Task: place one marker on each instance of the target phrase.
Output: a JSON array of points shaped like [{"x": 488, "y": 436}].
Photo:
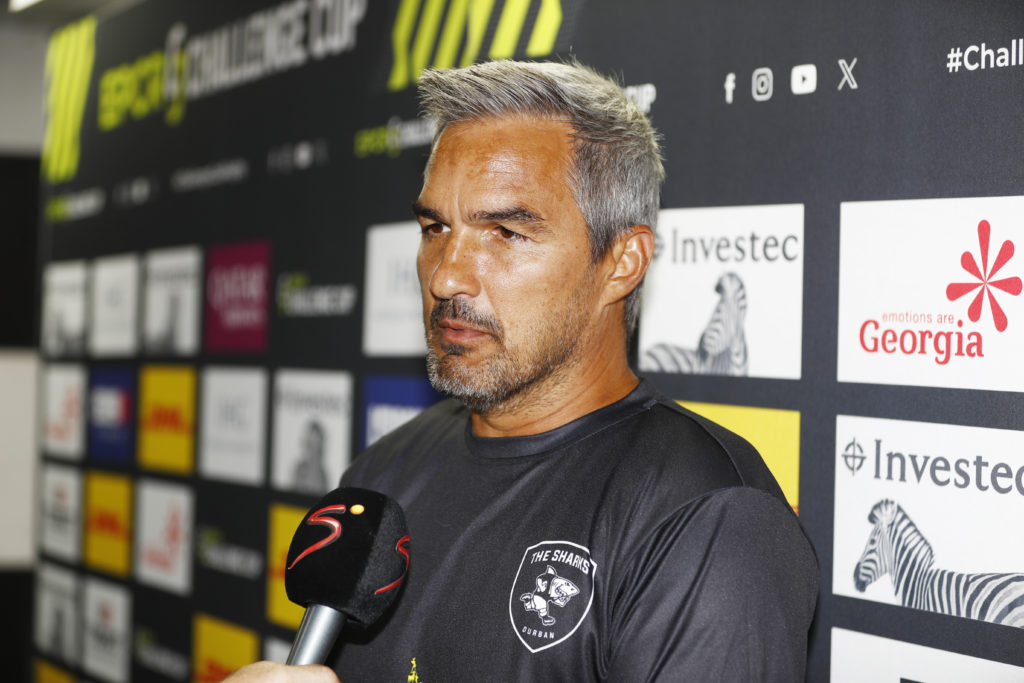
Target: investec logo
[
  {"x": 419, "y": 37},
  {"x": 920, "y": 516},
  {"x": 900, "y": 464},
  {"x": 940, "y": 306},
  {"x": 725, "y": 293}
]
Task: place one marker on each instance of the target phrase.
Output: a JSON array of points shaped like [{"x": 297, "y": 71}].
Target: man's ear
[{"x": 629, "y": 258}]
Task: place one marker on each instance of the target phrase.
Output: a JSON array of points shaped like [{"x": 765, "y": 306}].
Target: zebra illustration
[
  {"x": 897, "y": 548},
  {"x": 723, "y": 346}
]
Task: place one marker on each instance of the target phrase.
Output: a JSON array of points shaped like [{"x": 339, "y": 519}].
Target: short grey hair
[{"x": 617, "y": 172}]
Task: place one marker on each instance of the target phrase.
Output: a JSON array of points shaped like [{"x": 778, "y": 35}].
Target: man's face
[{"x": 504, "y": 263}]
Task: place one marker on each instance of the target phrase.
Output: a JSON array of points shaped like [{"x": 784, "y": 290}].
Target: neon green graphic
[
  {"x": 69, "y": 61},
  {"x": 466, "y": 22}
]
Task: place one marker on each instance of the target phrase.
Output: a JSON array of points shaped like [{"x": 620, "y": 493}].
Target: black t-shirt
[{"x": 640, "y": 542}]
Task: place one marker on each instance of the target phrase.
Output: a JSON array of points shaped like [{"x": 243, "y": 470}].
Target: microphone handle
[{"x": 316, "y": 636}]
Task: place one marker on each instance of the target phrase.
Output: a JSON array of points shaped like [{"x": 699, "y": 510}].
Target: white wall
[
  {"x": 22, "y": 57},
  {"x": 19, "y": 370}
]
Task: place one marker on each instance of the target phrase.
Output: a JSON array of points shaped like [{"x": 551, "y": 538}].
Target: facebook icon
[{"x": 730, "y": 85}]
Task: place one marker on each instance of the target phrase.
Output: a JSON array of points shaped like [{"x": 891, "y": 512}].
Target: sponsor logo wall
[
  {"x": 312, "y": 429},
  {"x": 111, "y": 427},
  {"x": 724, "y": 295},
  {"x": 61, "y": 515},
  {"x": 63, "y": 317},
  {"x": 230, "y": 308},
  {"x": 390, "y": 402},
  {"x": 106, "y": 639},
  {"x": 163, "y": 544},
  {"x": 234, "y": 405},
  {"x": 774, "y": 433},
  {"x": 114, "y": 306},
  {"x": 914, "y": 503},
  {"x": 860, "y": 657},
  {"x": 48, "y": 673},
  {"x": 167, "y": 396},
  {"x": 63, "y": 407},
  {"x": 237, "y": 284},
  {"x": 57, "y": 616},
  {"x": 108, "y": 523},
  {"x": 942, "y": 307},
  {"x": 173, "y": 286},
  {"x": 284, "y": 520},
  {"x": 220, "y": 647},
  {"x": 393, "y": 312}
]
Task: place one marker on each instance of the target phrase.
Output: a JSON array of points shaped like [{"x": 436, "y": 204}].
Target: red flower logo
[{"x": 1010, "y": 285}]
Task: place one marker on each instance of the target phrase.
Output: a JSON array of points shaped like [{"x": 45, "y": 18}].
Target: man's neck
[{"x": 559, "y": 399}]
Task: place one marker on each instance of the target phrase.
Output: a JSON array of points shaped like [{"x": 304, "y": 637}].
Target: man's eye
[
  {"x": 432, "y": 229},
  {"x": 509, "y": 234}
]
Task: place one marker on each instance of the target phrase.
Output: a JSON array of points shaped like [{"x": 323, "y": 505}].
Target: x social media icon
[{"x": 803, "y": 79}]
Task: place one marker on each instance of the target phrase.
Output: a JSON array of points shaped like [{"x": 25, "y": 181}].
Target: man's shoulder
[
  {"x": 691, "y": 453},
  {"x": 442, "y": 421}
]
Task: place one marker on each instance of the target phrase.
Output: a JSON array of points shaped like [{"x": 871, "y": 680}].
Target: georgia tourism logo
[
  {"x": 919, "y": 508},
  {"x": 552, "y": 593},
  {"x": 920, "y": 318}
]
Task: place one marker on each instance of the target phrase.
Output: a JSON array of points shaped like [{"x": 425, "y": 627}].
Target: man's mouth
[
  {"x": 455, "y": 322},
  {"x": 459, "y": 332}
]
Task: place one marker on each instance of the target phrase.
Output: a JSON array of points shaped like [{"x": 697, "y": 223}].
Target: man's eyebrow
[
  {"x": 513, "y": 214},
  {"x": 420, "y": 209}
]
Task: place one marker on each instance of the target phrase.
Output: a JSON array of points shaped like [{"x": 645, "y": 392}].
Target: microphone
[{"x": 347, "y": 560}]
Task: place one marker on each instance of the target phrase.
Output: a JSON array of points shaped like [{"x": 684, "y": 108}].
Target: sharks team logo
[
  {"x": 552, "y": 593},
  {"x": 550, "y": 588}
]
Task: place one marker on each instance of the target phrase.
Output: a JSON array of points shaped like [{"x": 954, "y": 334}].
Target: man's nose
[{"x": 455, "y": 266}]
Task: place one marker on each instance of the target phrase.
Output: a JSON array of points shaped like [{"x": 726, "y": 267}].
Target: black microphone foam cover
[{"x": 350, "y": 553}]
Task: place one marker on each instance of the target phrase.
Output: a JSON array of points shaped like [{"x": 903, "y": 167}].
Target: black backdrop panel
[{"x": 306, "y": 148}]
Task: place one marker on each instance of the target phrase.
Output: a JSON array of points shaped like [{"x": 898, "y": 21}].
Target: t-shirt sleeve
[{"x": 724, "y": 590}]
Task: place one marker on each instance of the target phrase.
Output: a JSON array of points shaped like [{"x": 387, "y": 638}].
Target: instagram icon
[{"x": 762, "y": 84}]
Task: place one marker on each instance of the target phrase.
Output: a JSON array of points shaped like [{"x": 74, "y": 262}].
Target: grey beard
[{"x": 499, "y": 383}]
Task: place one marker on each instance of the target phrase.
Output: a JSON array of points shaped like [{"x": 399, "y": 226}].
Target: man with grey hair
[{"x": 568, "y": 522}]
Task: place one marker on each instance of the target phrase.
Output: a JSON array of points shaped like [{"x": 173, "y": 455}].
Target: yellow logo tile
[
  {"x": 108, "y": 522},
  {"x": 48, "y": 673},
  {"x": 167, "y": 418},
  {"x": 284, "y": 520},
  {"x": 220, "y": 647},
  {"x": 774, "y": 433}
]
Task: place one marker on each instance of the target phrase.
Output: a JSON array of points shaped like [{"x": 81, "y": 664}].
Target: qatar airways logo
[{"x": 921, "y": 318}]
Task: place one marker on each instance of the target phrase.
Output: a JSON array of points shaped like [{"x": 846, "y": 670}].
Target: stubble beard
[{"x": 503, "y": 380}]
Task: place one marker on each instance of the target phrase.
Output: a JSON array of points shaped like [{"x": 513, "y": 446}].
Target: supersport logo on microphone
[
  {"x": 335, "y": 526},
  {"x": 319, "y": 517},
  {"x": 402, "y": 549}
]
